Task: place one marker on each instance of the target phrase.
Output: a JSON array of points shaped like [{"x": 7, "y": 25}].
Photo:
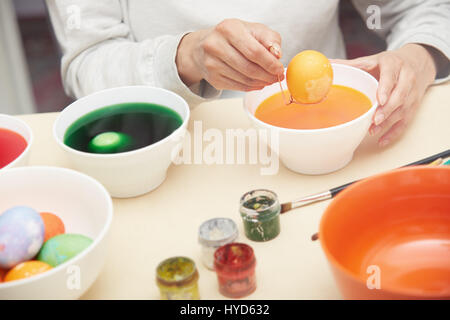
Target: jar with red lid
[{"x": 235, "y": 267}]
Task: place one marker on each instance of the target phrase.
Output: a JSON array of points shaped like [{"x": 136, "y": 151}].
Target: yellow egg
[
  {"x": 309, "y": 76},
  {"x": 26, "y": 269}
]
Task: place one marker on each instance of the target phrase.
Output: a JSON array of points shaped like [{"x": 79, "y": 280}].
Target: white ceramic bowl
[
  {"x": 319, "y": 151},
  {"x": 20, "y": 127},
  {"x": 132, "y": 173},
  {"x": 85, "y": 207}
]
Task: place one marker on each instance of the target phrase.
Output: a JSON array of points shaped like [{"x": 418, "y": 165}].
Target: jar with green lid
[
  {"x": 177, "y": 279},
  {"x": 260, "y": 212}
]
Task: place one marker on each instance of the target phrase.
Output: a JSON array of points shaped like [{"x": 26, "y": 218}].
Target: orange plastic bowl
[{"x": 388, "y": 236}]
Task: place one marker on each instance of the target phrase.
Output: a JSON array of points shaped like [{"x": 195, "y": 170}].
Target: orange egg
[
  {"x": 309, "y": 76},
  {"x": 27, "y": 269},
  {"x": 53, "y": 225}
]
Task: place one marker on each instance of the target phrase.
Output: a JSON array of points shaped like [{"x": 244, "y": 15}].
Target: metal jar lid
[{"x": 217, "y": 232}]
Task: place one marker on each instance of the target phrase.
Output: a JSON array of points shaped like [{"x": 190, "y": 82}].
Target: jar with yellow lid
[{"x": 177, "y": 279}]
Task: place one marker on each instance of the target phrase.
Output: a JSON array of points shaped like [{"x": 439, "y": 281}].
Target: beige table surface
[{"x": 164, "y": 223}]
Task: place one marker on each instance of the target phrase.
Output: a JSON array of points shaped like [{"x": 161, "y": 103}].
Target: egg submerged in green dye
[
  {"x": 122, "y": 127},
  {"x": 62, "y": 248},
  {"x": 109, "y": 142}
]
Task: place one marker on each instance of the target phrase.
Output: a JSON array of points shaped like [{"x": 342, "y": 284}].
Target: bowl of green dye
[{"x": 124, "y": 137}]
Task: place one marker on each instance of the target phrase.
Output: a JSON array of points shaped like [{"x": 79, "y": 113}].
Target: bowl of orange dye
[
  {"x": 388, "y": 236},
  {"x": 322, "y": 137}
]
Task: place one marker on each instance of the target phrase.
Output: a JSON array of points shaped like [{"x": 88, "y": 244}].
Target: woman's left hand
[{"x": 404, "y": 75}]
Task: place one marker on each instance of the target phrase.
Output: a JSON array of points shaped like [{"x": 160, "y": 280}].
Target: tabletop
[{"x": 164, "y": 222}]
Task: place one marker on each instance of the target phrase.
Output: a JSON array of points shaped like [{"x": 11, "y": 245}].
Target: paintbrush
[{"x": 329, "y": 194}]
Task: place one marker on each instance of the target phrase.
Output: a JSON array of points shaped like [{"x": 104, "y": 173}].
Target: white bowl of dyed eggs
[
  {"x": 321, "y": 150},
  {"x": 54, "y": 224},
  {"x": 16, "y": 139},
  {"x": 126, "y": 173}
]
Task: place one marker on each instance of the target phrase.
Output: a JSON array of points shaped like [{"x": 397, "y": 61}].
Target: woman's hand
[
  {"x": 233, "y": 55},
  {"x": 404, "y": 75}
]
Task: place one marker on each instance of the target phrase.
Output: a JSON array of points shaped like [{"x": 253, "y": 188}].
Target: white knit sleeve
[
  {"x": 414, "y": 21},
  {"x": 99, "y": 51}
]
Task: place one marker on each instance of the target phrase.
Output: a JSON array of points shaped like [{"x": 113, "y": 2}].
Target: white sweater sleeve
[
  {"x": 413, "y": 21},
  {"x": 99, "y": 51}
]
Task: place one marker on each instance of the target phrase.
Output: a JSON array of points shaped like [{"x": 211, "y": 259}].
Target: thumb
[{"x": 269, "y": 38}]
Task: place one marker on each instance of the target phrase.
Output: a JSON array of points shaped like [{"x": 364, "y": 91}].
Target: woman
[{"x": 198, "y": 48}]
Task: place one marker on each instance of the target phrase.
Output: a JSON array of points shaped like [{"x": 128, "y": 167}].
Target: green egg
[
  {"x": 62, "y": 247},
  {"x": 109, "y": 142}
]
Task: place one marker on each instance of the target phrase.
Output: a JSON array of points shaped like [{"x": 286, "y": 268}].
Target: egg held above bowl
[
  {"x": 309, "y": 77},
  {"x": 322, "y": 137}
]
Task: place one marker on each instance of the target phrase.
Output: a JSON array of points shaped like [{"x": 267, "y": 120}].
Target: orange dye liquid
[{"x": 342, "y": 104}]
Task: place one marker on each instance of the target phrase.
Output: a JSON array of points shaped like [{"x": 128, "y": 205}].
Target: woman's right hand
[{"x": 234, "y": 55}]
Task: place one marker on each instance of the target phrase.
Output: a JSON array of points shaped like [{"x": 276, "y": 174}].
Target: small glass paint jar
[
  {"x": 177, "y": 279},
  {"x": 213, "y": 234},
  {"x": 235, "y": 268},
  {"x": 260, "y": 212}
]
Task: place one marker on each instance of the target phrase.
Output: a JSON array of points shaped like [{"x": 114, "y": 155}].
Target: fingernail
[
  {"x": 375, "y": 130},
  {"x": 383, "y": 142},
  {"x": 275, "y": 49},
  {"x": 379, "y": 118}
]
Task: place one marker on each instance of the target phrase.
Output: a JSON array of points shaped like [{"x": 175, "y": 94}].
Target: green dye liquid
[{"x": 144, "y": 124}]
